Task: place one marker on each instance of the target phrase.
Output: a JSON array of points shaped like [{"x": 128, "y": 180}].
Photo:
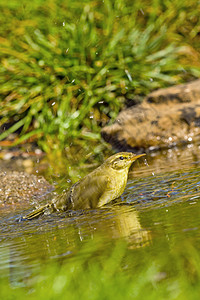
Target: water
[{"x": 159, "y": 210}]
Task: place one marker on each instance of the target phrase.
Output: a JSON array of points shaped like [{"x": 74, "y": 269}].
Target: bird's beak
[{"x": 137, "y": 156}]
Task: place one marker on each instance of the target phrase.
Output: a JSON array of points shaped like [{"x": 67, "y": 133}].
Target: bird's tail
[{"x": 37, "y": 212}]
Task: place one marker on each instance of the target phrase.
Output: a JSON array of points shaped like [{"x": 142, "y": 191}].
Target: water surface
[{"x": 158, "y": 212}]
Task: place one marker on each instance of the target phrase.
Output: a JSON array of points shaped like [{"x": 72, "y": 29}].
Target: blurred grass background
[{"x": 68, "y": 67}]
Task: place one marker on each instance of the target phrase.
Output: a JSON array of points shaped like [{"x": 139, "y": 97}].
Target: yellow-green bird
[{"x": 102, "y": 185}]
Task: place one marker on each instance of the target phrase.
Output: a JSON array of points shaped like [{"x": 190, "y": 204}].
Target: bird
[{"x": 101, "y": 186}]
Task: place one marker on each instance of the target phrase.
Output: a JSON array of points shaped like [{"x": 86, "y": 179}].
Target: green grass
[
  {"x": 68, "y": 67},
  {"x": 120, "y": 274}
]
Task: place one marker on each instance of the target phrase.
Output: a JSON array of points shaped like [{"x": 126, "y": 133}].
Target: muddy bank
[
  {"x": 167, "y": 117},
  {"x": 19, "y": 190}
]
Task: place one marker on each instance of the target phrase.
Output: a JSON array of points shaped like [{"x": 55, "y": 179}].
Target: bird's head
[{"x": 122, "y": 160}]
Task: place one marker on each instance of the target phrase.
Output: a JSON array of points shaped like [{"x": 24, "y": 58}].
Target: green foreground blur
[{"x": 119, "y": 274}]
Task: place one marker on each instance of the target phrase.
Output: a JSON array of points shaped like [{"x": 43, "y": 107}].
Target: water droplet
[
  {"x": 128, "y": 75},
  {"x": 53, "y": 103},
  {"x": 41, "y": 63},
  {"x": 38, "y": 151},
  {"x": 63, "y": 23},
  {"x": 73, "y": 80},
  {"x": 189, "y": 146},
  {"x": 141, "y": 10}
]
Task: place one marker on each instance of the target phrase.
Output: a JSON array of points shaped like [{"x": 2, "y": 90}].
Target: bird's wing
[{"x": 88, "y": 191}]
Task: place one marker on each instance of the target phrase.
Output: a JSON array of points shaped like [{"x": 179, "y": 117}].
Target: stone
[{"x": 167, "y": 117}]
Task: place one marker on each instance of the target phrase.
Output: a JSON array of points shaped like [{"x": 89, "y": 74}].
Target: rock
[{"x": 167, "y": 117}]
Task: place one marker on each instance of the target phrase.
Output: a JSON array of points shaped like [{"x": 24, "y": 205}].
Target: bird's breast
[{"x": 118, "y": 182}]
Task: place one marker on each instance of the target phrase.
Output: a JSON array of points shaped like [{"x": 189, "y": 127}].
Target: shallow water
[{"x": 159, "y": 208}]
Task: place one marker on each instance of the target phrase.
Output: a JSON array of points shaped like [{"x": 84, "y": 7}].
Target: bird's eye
[{"x": 121, "y": 157}]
